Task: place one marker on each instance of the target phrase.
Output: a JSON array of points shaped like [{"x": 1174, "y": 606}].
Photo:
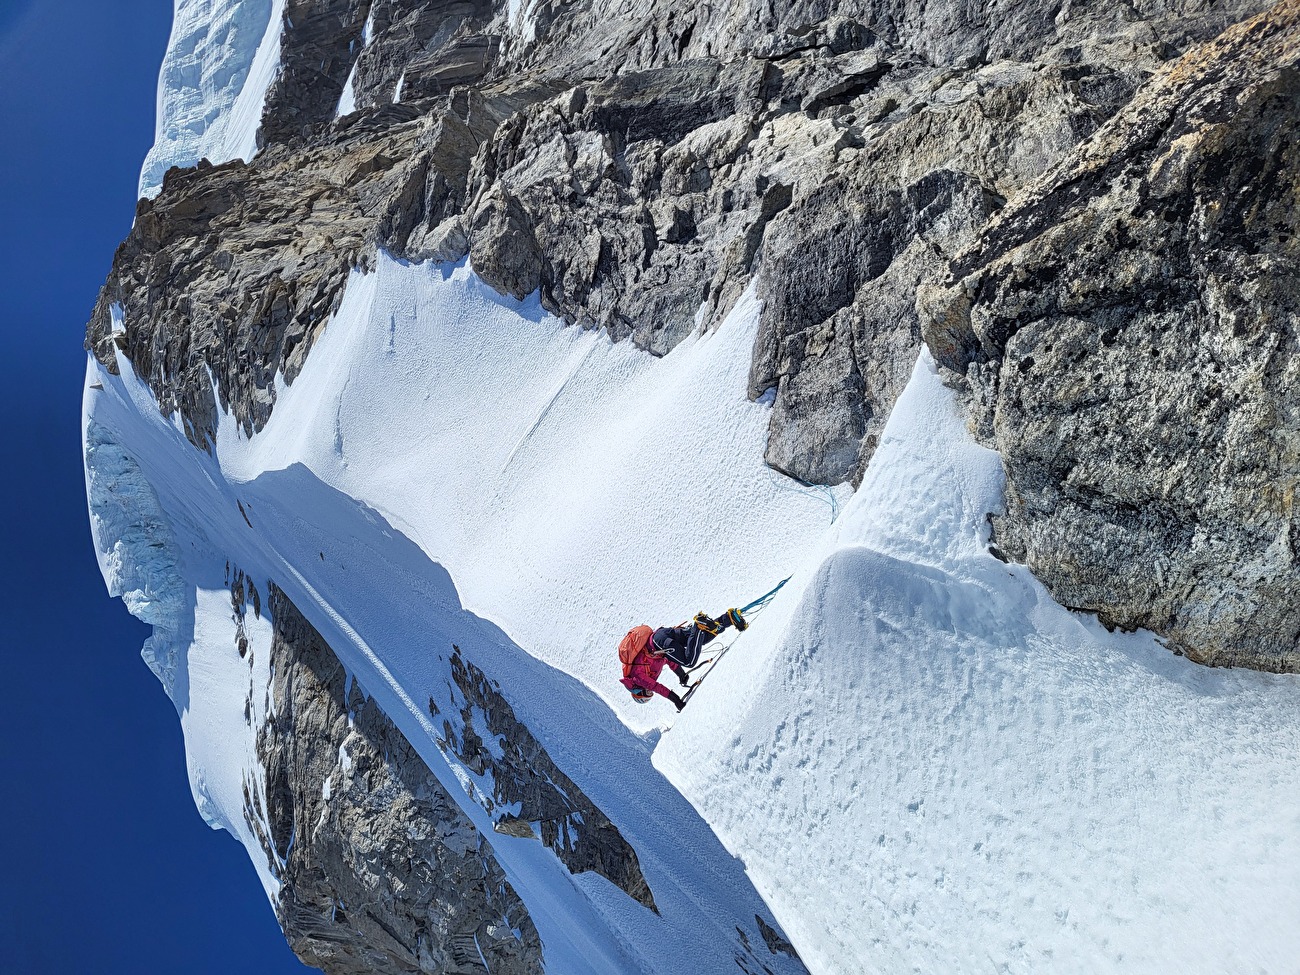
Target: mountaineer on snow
[{"x": 644, "y": 652}]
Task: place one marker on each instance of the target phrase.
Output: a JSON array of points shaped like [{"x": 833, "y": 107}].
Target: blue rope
[
  {"x": 766, "y": 596},
  {"x": 712, "y": 662},
  {"x": 821, "y": 492}
]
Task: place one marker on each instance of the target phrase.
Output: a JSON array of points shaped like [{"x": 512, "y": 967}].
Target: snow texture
[
  {"x": 348, "y": 100},
  {"x": 419, "y": 354},
  {"x": 920, "y": 760},
  {"x": 521, "y": 20},
  {"x": 1004, "y": 785},
  {"x": 137, "y": 551},
  {"x": 183, "y": 591},
  {"x": 220, "y": 61}
]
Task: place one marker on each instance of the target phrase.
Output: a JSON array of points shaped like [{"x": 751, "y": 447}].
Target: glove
[
  {"x": 677, "y": 701},
  {"x": 733, "y": 617},
  {"x": 683, "y": 677},
  {"x": 708, "y": 624}
]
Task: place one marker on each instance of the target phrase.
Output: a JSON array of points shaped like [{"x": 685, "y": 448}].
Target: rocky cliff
[
  {"x": 1087, "y": 212},
  {"x": 1127, "y": 329},
  {"x": 638, "y": 166},
  {"x": 380, "y": 869}
]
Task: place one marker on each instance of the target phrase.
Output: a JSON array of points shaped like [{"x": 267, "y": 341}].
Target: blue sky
[{"x": 107, "y": 866}]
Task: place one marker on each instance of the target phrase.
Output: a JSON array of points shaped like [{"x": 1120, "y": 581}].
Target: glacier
[{"x": 220, "y": 61}]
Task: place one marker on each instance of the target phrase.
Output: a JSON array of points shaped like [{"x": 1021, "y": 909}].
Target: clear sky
[{"x": 105, "y": 865}]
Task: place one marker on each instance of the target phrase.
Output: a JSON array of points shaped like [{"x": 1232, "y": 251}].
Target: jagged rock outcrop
[
  {"x": 229, "y": 273},
  {"x": 640, "y": 166},
  {"x": 1130, "y": 333},
  {"x": 380, "y": 870},
  {"x": 547, "y": 804}
]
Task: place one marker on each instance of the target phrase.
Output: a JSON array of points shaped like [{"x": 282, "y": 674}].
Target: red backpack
[{"x": 632, "y": 646}]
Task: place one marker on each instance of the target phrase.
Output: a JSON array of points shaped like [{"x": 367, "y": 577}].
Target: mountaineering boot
[
  {"x": 733, "y": 617},
  {"x": 708, "y": 624}
]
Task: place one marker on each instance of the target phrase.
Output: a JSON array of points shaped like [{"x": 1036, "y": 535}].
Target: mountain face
[{"x": 454, "y": 338}]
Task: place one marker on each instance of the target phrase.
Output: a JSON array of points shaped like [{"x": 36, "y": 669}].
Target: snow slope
[
  {"x": 928, "y": 765},
  {"x": 220, "y": 61},
  {"x": 920, "y": 760},
  {"x": 403, "y": 400},
  {"x": 566, "y": 482}
]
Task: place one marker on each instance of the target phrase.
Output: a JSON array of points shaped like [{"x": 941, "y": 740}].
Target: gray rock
[
  {"x": 1128, "y": 330},
  {"x": 549, "y": 805},
  {"x": 380, "y": 870},
  {"x": 502, "y": 246},
  {"x": 639, "y": 168}
]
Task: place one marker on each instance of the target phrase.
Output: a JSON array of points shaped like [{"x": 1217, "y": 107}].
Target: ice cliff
[{"x": 452, "y": 339}]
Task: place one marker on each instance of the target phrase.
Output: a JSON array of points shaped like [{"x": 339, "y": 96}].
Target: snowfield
[{"x": 917, "y": 758}]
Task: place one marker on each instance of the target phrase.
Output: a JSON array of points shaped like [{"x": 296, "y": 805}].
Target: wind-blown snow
[
  {"x": 928, "y": 765},
  {"x": 921, "y": 761},
  {"x": 220, "y": 61}
]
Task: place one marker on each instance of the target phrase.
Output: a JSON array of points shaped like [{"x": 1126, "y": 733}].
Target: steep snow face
[
  {"x": 438, "y": 426},
  {"x": 928, "y": 765},
  {"x": 212, "y": 660},
  {"x": 920, "y": 760},
  {"x": 220, "y": 61},
  {"x": 572, "y": 486}
]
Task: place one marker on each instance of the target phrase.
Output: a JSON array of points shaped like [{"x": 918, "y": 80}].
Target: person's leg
[{"x": 696, "y": 641}]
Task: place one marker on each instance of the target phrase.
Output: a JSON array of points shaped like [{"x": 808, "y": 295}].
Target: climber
[{"x": 644, "y": 652}]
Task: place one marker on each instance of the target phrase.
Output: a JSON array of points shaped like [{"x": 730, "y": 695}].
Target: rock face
[
  {"x": 380, "y": 870},
  {"x": 1129, "y": 331},
  {"x": 547, "y": 803},
  {"x": 639, "y": 165}
]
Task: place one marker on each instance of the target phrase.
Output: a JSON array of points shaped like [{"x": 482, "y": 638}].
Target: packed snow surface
[
  {"x": 920, "y": 760},
  {"x": 1004, "y": 785},
  {"x": 419, "y": 355},
  {"x": 220, "y": 61},
  {"x": 348, "y": 100}
]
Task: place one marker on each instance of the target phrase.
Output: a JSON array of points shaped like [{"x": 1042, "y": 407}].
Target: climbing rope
[
  {"x": 819, "y": 491},
  {"x": 750, "y": 611}
]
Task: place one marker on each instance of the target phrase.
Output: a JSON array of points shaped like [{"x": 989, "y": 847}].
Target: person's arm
[
  {"x": 683, "y": 675},
  {"x": 650, "y": 684}
]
